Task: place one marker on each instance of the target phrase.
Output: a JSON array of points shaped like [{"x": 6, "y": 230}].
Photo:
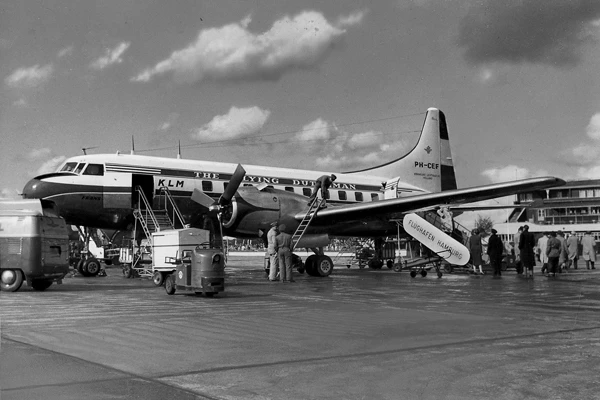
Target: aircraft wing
[{"x": 394, "y": 207}]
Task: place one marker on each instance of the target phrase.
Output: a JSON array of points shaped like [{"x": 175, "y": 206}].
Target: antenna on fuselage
[
  {"x": 84, "y": 149},
  {"x": 132, "y": 146},
  {"x": 179, "y": 150}
]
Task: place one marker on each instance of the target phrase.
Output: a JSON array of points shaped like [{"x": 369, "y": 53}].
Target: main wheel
[
  {"x": 91, "y": 267},
  {"x": 79, "y": 266},
  {"x": 40, "y": 284},
  {"x": 11, "y": 280},
  {"x": 324, "y": 266},
  {"x": 310, "y": 265},
  {"x": 170, "y": 285},
  {"x": 158, "y": 278}
]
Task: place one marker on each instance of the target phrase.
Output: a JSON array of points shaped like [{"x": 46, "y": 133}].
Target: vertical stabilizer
[{"x": 429, "y": 164}]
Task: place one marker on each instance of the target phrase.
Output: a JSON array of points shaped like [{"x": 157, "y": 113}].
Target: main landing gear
[{"x": 318, "y": 265}]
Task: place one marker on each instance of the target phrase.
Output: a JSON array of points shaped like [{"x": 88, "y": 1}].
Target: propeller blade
[
  {"x": 233, "y": 185},
  {"x": 202, "y": 198}
]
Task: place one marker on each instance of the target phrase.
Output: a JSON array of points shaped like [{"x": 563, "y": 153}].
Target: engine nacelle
[{"x": 309, "y": 241}]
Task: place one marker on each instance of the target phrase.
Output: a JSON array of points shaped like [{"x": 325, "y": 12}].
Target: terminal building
[{"x": 572, "y": 207}]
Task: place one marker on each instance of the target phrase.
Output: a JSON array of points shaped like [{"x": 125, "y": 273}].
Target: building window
[
  {"x": 342, "y": 195},
  {"x": 207, "y": 186},
  {"x": 358, "y": 196},
  {"x": 306, "y": 191}
]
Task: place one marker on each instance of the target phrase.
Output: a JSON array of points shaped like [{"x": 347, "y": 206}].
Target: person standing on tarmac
[
  {"x": 526, "y": 245},
  {"x": 476, "y": 250},
  {"x": 495, "y": 250},
  {"x": 589, "y": 250},
  {"x": 324, "y": 182},
  {"x": 284, "y": 250},
  {"x": 517, "y": 251},
  {"x": 553, "y": 248},
  {"x": 272, "y": 250},
  {"x": 572, "y": 249}
]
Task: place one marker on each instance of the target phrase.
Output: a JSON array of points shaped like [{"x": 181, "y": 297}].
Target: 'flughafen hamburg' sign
[{"x": 436, "y": 240}]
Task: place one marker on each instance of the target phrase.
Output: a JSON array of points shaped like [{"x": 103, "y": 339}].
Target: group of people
[
  {"x": 553, "y": 250},
  {"x": 279, "y": 247}
]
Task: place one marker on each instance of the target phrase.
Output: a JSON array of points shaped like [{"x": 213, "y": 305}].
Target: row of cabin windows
[
  {"x": 90, "y": 169},
  {"x": 207, "y": 186}
]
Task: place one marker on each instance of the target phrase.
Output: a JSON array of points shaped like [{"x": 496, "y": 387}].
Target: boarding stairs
[
  {"x": 313, "y": 207},
  {"x": 165, "y": 216}
]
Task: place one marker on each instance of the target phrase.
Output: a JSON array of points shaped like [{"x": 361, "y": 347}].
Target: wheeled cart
[{"x": 202, "y": 272}]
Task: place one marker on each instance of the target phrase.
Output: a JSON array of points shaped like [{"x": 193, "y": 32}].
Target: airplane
[{"x": 99, "y": 190}]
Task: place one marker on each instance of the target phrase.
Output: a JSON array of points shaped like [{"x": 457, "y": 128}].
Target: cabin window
[
  {"x": 79, "y": 168},
  {"x": 342, "y": 195},
  {"x": 94, "y": 169},
  {"x": 306, "y": 191},
  {"x": 358, "y": 196},
  {"x": 289, "y": 189},
  {"x": 207, "y": 186},
  {"x": 374, "y": 196},
  {"x": 70, "y": 166}
]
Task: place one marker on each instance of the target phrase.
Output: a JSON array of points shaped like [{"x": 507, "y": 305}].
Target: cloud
[
  {"x": 112, "y": 56},
  {"x": 9, "y": 194},
  {"x": 593, "y": 128},
  {"x": 50, "y": 165},
  {"x": 67, "y": 51},
  {"x": 550, "y": 32},
  {"x": 510, "y": 173},
  {"x": 335, "y": 149},
  {"x": 317, "y": 130},
  {"x": 27, "y": 78},
  {"x": 20, "y": 103},
  {"x": 232, "y": 52},
  {"x": 237, "y": 123},
  {"x": 38, "y": 154}
]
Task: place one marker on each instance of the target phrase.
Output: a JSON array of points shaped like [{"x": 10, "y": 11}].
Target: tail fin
[{"x": 429, "y": 164}]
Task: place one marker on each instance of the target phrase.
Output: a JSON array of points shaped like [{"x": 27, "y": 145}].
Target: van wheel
[
  {"x": 11, "y": 280},
  {"x": 158, "y": 278},
  {"x": 40, "y": 284},
  {"x": 91, "y": 267}
]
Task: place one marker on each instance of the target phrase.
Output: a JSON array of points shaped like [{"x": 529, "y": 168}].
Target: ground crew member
[
  {"x": 495, "y": 250},
  {"x": 324, "y": 182},
  {"x": 284, "y": 250},
  {"x": 272, "y": 250}
]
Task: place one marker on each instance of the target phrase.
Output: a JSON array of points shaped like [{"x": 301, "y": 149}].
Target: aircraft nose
[{"x": 34, "y": 189}]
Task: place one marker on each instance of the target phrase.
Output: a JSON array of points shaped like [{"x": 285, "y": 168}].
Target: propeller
[{"x": 221, "y": 205}]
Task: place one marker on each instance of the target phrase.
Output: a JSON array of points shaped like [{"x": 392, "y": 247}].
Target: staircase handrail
[
  {"x": 145, "y": 212},
  {"x": 176, "y": 213}
]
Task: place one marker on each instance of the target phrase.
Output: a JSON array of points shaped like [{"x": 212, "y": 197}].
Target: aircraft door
[{"x": 146, "y": 183}]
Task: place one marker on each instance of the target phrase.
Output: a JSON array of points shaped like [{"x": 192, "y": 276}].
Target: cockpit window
[
  {"x": 94, "y": 169},
  {"x": 79, "y": 168},
  {"x": 68, "y": 167}
]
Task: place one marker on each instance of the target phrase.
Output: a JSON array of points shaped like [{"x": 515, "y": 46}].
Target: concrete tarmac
[{"x": 358, "y": 334}]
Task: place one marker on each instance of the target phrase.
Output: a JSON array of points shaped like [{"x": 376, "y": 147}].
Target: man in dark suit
[{"x": 495, "y": 250}]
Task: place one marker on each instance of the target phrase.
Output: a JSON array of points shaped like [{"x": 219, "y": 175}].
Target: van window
[
  {"x": 70, "y": 166},
  {"x": 79, "y": 168},
  {"x": 94, "y": 169}
]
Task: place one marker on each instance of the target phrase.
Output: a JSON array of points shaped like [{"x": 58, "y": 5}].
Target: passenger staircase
[
  {"x": 164, "y": 216},
  {"x": 313, "y": 207}
]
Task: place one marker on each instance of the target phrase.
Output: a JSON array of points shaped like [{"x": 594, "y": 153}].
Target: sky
[{"x": 335, "y": 85}]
